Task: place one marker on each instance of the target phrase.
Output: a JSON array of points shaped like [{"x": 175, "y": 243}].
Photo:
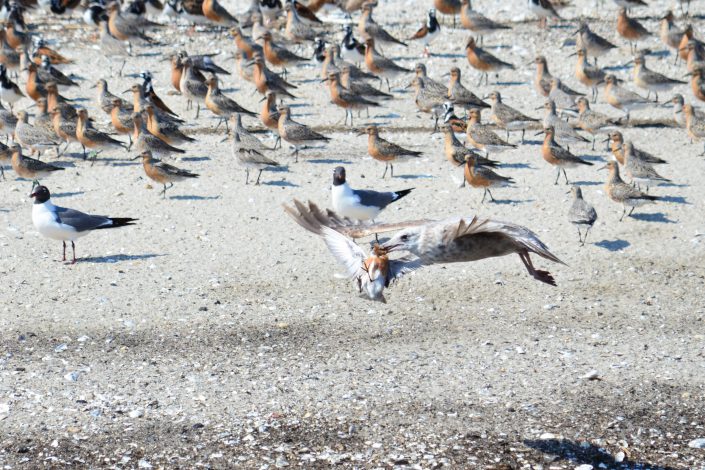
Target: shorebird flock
[{"x": 286, "y": 52}]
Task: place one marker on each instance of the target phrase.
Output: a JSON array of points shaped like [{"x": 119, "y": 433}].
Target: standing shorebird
[
  {"x": 623, "y": 99},
  {"x": 360, "y": 87},
  {"x": 380, "y": 65},
  {"x": 193, "y": 87},
  {"x": 542, "y": 78},
  {"x": 146, "y": 141},
  {"x": 35, "y": 138},
  {"x": 640, "y": 172},
  {"x": 581, "y": 214},
  {"x": 346, "y": 99},
  {"x": 461, "y": 96},
  {"x": 483, "y": 138},
  {"x": 431, "y": 84},
  {"x": 427, "y": 101},
  {"x": 369, "y": 29},
  {"x": 652, "y": 81},
  {"x": 278, "y": 55},
  {"x": 617, "y": 147},
  {"x": 91, "y": 138},
  {"x": 594, "y": 45},
  {"x": 697, "y": 83},
  {"x": 483, "y": 61},
  {"x": 30, "y": 168},
  {"x": 162, "y": 173},
  {"x": 167, "y": 131},
  {"x": 559, "y": 157},
  {"x": 221, "y": 105},
  {"x": 594, "y": 122},
  {"x": 61, "y": 223},
  {"x": 477, "y": 22},
  {"x": 269, "y": 115},
  {"x": 215, "y": 12},
  {"x": 670, "y": 34},
  {"x": 564, "y": 132},
  {"x": 248, "y": 150},
  {"x": 295, "y": 133},
  {"x": 694, "y": 125},
  {"x": 544, "y": 9},
  {"x": 428, "y": 32},
  {"x": 624, "y": 193},
  {"x": 509, "y": 118},
  {"x": 563, "y": 97},
  {"x": 630, "y": 29},
  {"x": 456, "y": 153},
  {"x": 588, "y": 75},
  {"x": 482, "y": 177},
  {"x": 384, "y": 151},
  {"x": 266, "y": 80}
]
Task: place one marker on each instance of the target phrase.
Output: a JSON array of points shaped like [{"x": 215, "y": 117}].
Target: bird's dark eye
[{"x": 404, "y": 238}]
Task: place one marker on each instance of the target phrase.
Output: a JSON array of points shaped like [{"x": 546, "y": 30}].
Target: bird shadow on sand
[
  {"x": 517, "y": 165},
  {"x": 116, "y": 162},
  {"x": 117, "y": 258},
  {"x": 510, "y": 83},
  {"x": 386, "y": 116},
  {"x": 149, "y": 54},
  {"x": 585, "y": 183},
  {"x": 613, "y": 245},
  {"x": 676, "y": 200},
  {"x": 300, "y": 105},
  {"x": 659, "y": 217},
  {"x": 510, "y": 201},
  {"x": 413, "y": 177},
  {"x": 193, "y": 197},
  {"x": 448, "y": 56},
  {"x": 281, "y": 184},
  {"x": 195, "y": 159},
  {"x": 592, "y": 158},
  {"x": 532, "y": 142},
  {"x": 326, "y": 161},
  {"x": 579, "y": 454},
  {"x": 69, "y": 194}
]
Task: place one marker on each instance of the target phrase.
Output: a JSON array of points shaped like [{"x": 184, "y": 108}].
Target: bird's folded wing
[
  {"x": 79, "y": 220},
  {"x": 312, "y": 218}
]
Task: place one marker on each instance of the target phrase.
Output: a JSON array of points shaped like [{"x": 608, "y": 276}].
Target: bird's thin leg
[
  {"x": 73, "y": 249},
  {"x": 84, "y": 152},
  {"x": 490, "y": 193},
  {"x": 2, "y": 173},
  {"x": 129, "y": 146},
  {"x": 64, "y": 257},
  {"x": 593, "y": 142},
  {"x": 565, "y": 176},
  {"x": 389, "y": 87},
  {"x": 247, "y": 175},
  {"x": 586, "y": 234},
  {"x": 198, "y": 109},
  {"x": 391, "y": 172},
  {"x": 630, "y": 212},
  {"x": 523, "y": 131},
  {"x": 484, "y": 194},
  {"x": 220, "y": 121},
  {"x": 227, "y": 126},
  {"x": 386, "y": 165},
  {"x": 580, "y": 236},
  {"x": 624, "y": 211},
  {"x": 258, "y": 175},
  {"x": 558, "y": 176}
]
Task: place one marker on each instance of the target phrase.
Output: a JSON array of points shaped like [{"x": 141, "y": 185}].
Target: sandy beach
[{"x": 217, "y": 333}]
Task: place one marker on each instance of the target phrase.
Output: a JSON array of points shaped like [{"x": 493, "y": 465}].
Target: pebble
[
  {"x": 60, "y": 348},
  {"x": 592, "y": 375},
  {"x": 72, "y": 376},
  {"x": 697, "y": 443},
  {"x": 144, "y": 464},
  {"x": 134, "y": 414},
  {"x": 584, "y": 466}
]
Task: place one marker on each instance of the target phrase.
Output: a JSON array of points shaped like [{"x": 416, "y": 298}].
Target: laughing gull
[
  {"x": 60, "y": 223},
  {"x": 360, "y": 204}
]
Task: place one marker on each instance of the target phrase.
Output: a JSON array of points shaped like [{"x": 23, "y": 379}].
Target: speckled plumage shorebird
[
  {"x": 295, "y": 133},
  {"x": 559, "y": 157},
  {"x": 248, "y": 150},
  {"x": 617, "y": 140},
  {"x": 688, "y": 39},
  {"x": 670, "y": 34},
  {"x": 8, "y": 121},
  {"x": 269, "y": 115},
  {"x": 456, "y": 152},
  {"x": 563, "y": 131},
  {"x": 589, "y": 75},
  {"x": 143, "y": 140},
  {"x": 64, "y": 127},
  {"x": 279, "y": 55},
  {"x": 694, "y": 125},
  {"x": 477, "y": 22},
  {"x": 112, "y": 47},
  {"x": 380, "y": 65},
  {"x": 296, "y": 30},
  {"x": 104, "y": 99},
  {"x": 483, "y": 61},
  {"x": 630, "y": 29},
  {"x": 30, "y": 168},
  {"x": 581, "y": 214},
  {"x": 168, "y": 131},
  {"x": 563, "y": 97},
  {"x": 266, "y": 80},
  {"x": 360, "y": 87},
  {"x": 37, "y": 139},
  {"x": 623, "y": 99},
  {"x": 697, "y": 82},
  {"x": 91, "y": 138},
  {"x": 368, "y": 28},
  {"x": 623, "y": 193},
  {"x": 430, "y": 84},
  {"x": 482, "y": 177},
  {"x": 650, "y": 80},
  {"x": 221, "y": 105},
  {"x": 426, "y": 101},
  {"x": 482, "y": 137},
  {"x": 461, "y": 96},
  {"x": 640, "y": 172},
  {"x": 121, "y": 119},
  {"x": 193, "y": 86},
  {"x": 215, "y": 12},
  {"x": 594, "y": 122},
  {"x": 345, "y": 98},
  {"x": 245, "y": 44},
  {"x": 508, "y": 118},
  {"x": 384, "y": 151},
  {"x": 595, "y": 45},
  {"x": 542, "y": 77},
  {"x": 163, "y": 173}
]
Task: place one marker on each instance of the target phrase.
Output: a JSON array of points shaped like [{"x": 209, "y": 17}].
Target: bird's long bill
[
  {"x": 539, "y": 133},
  {"x": 574, "y": 53},
  {"x": 127, "y": 91},
  {"x": 136, "y": 157},
  {"x": 604, "y": 167},
  {"x": 607, "y": 139}
]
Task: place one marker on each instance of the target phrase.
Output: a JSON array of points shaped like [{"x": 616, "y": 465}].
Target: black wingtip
[{"x": 402, "y": 193}]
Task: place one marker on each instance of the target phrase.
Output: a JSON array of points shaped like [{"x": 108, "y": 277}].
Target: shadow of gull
[
  {"x": 281, "y": 184},
  {"x": 613, "y": 245},
  {"x": 118, "y": 258},
  {"x": 329, "y": 161},
  {"x": 414, "y": 177}
]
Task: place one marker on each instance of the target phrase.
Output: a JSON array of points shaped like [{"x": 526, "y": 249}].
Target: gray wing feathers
[{"x": 80, "y": 221}]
